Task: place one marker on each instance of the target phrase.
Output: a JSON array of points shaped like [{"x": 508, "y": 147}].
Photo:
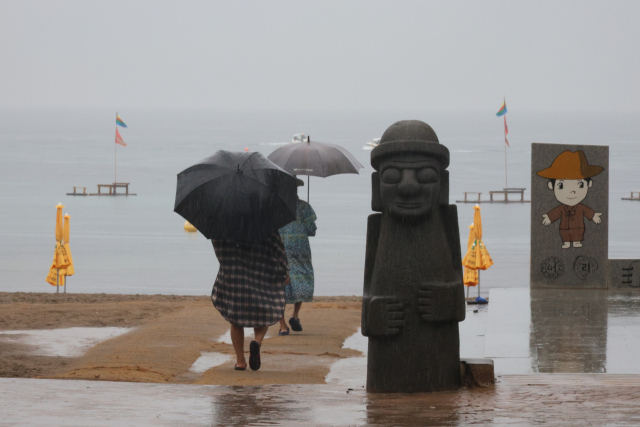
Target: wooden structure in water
[
  {"x": 504, "y": 191},
  {"x": 636, "y": 197},
  {"x": 84, "y": 191},
  {"x": 110, "y": 190}
]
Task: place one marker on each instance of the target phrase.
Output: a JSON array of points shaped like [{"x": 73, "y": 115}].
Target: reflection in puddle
[{"x": 69, "y": 342}]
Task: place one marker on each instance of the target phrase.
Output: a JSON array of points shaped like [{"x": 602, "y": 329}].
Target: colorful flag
[
  {"x": 506, "y": 129},
  {"x": 119, "y": 121},
  {"x": 503, "y": 109},
  {"x": 119, "y": 139}
]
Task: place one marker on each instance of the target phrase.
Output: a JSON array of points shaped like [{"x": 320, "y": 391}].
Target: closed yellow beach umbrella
[
  {"x": 69, "y": 271},
  {"x": 477, "y": 256},
  {"x": 60, "y": 257},
  {"x": 470, "y": 274},
  {"x": 59, "y": 227}
]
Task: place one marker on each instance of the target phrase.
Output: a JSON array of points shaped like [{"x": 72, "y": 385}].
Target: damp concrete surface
[{"x": 561, "y": 358}]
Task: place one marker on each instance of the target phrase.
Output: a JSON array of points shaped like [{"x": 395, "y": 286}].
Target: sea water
[{"x": 137, "y": 244}]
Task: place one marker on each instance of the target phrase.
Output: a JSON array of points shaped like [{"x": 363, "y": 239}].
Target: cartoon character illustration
[{"x": 570, "y": 177}]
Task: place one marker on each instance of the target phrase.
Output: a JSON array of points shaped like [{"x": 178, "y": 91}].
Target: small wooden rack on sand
[
  {"x": 636, "y": 197},
  {"x": 504, "y": 191},
  {"x": 110, "y": 190}
]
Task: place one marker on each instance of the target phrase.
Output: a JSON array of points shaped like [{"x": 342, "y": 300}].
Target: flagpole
[
  {"x": 115, "y": 160},
  {"x": 506, "y": 177}
]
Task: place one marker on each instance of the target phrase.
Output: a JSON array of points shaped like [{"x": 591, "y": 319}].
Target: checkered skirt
[{"x": 249, "y": 288}]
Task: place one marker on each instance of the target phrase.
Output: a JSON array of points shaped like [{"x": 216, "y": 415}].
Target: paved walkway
[{"x": 563, "y": 358}]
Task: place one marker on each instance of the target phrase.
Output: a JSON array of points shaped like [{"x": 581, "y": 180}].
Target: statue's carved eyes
[
  {"x": 427, "y": 176},
  {"x": 391, "y": 176}
]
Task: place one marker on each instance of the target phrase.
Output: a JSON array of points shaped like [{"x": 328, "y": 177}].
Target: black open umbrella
[
  {"x": 314, "y": 158},
  {"x": 238, "y": 196}
]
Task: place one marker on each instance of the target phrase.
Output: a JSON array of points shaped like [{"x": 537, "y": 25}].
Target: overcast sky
[{"x": 447, "y": 55}]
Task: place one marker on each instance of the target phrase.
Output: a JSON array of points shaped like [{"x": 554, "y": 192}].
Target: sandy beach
[{"x": 169, "y": 333}]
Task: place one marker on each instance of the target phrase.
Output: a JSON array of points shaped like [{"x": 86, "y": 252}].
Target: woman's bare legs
[
  {"x": 260, "y": 333},
  {"x": 296, "y": 310},
  {"x": 237, "y": 338},
  {"x": 283, "y": 325}
]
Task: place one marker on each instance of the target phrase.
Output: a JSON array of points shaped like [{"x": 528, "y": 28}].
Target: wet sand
[{"x": 171, "y": 332}]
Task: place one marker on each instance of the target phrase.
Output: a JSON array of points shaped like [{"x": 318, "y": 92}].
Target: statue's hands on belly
[
  {"x": 441, "y": 302},
  {"x": 384, "y": 317}
]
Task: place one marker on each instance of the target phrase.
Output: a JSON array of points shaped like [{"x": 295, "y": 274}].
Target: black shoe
[
  {"x": 254, "y": 355},
  {"x": 295, "y": 324}
]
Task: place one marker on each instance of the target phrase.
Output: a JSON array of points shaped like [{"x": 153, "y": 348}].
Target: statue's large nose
[{"x": 409, "y": 186}]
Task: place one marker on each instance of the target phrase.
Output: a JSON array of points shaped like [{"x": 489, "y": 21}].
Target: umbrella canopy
[
  {"x": 238, "y": 196},
  {"x": 470, "y": 274},
  {"x": 69, "y": 270},
  {"x": 315, "y": 159},
  {"x": 59, "y": 226},
  {"x": 477, "y": 257},
  {"x": 60, "y": 256}
]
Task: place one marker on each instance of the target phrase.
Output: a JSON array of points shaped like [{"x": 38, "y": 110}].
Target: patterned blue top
[{"x": 295, "y": 236}]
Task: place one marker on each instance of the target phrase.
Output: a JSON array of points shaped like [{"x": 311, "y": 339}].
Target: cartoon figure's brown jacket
[{"x": 571, "y": 217}]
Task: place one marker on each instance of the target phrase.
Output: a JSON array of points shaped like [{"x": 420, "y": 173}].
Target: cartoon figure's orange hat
[{"x": 571, "y": 165}]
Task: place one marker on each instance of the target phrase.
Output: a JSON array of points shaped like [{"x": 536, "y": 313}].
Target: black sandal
[
  {"x": 238, "y": 368},
  {"x": 283, "y": 333},
  {"x": 295, "y": 324},
  {"x": 254, "y": 355}
]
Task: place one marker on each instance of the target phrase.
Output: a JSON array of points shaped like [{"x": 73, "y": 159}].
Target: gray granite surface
[
  {"x": 624, "y": 273},
  {"x": 577, "y": 267}
]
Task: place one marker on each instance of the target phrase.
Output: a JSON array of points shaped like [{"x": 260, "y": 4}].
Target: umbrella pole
[
  {"x": 478, "y": 283},
  {"x": 65, "y": 284},
  {"x": 468, "y": 291},
  {"x": 57, "y": 281}
]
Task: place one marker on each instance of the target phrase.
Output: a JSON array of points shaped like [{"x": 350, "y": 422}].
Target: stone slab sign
[
  {"x": 624, "y": 274},
  {"x": 569, "y": 216}
]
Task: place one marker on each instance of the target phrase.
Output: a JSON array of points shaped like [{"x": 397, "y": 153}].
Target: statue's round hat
[
  {"x": 571, "y": 165},
  {"x": 409, "y": 137}
]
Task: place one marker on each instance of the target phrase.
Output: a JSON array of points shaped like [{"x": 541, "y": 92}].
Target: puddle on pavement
[
  {"x": 352, "y": 372},
  {"x": 226, "y": 337},
  {"x": 208, "y": 360},
  {"x": 69, "y": 342}
]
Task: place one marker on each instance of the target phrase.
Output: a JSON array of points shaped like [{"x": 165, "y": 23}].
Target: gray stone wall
[
  {"x": 580, "y": 265},
  {"x": 624, "y": 274}
]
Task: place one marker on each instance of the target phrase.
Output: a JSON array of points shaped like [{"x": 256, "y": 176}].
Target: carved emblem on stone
[
  {"x": 584, "y": 266},
  {"x": 552, "y": 267},
  {"x": 629, "y": 278}
]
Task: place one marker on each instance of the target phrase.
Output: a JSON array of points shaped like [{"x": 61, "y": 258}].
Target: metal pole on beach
[
  {"x": 57, "y": 281},
  {"x": 115, "y": 161},
  {"x": 506, "y": 179},
  {"x": 478, "y": 283},
  {"x": 308, "y": 180}
]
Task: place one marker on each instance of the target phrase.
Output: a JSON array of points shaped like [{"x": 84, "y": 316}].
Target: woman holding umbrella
[
  {"x": 239, "y": 201},
  {"x": 249, "y": 290},
  {"x": 295, "y": 236}
]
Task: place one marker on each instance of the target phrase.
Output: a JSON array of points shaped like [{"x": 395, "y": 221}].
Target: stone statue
[{"x": 413, "y": 291}]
